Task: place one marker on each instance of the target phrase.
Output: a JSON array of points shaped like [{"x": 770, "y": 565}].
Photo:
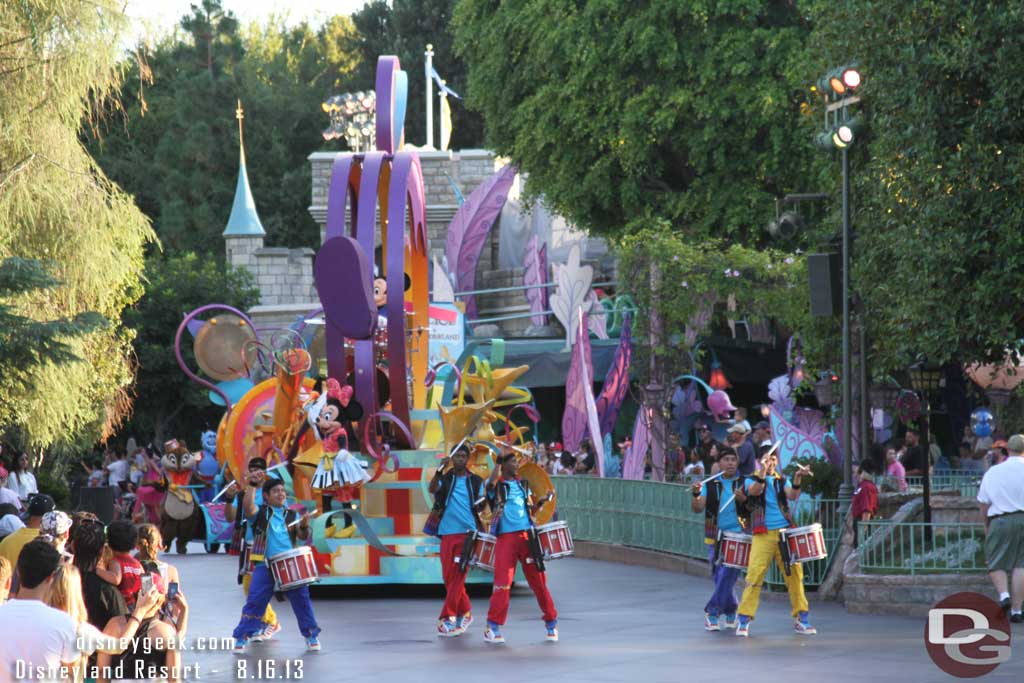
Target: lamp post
[
  {"x": 926, "y": 379},
  {"x": 352, "y": 117},
  {"x": 838, "y": 88}
]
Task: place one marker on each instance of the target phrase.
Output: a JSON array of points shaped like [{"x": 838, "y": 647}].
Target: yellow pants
[
  {"x": 763, "y": 549},
  {"x": 269, "y": 617}
]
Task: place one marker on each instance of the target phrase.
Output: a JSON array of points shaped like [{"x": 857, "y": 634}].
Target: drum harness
[
  {"x": 758, "y": 505},
  {"x": 501, "y": 495}
]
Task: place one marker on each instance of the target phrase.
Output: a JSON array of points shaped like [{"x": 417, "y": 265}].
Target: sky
[{"x": 154, "y": 17}]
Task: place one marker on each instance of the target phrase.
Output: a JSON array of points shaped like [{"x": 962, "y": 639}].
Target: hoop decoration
[{"x": 385, "y": 453}]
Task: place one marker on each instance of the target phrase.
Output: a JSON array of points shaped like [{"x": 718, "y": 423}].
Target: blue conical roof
[{"x": 244, "y": 221}]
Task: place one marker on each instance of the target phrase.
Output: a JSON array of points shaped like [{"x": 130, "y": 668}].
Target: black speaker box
[
  {"x": 98, "y": 500},
  {"x": 824, "y": 272}
]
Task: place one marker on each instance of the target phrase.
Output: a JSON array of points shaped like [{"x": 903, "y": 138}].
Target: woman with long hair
[
  {"x": 21, "y": 479},
  {"x": 149, "y": 545},
  {"x": 66, "y": 595}
]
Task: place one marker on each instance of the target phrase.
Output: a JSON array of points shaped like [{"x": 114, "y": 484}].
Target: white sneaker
[{"x": 493, "y": 635}]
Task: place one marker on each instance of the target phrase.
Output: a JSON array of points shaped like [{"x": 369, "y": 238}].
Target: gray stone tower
[{"x": 244, "y": 233}]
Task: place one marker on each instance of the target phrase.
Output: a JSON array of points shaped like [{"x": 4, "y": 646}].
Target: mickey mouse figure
[{"x": 338, "y": 472}]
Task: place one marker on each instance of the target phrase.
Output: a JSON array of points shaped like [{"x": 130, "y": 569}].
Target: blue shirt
[
  {"x": 278, "y": 540},
  {"x": 514, "y": 517},
  {"x": 458, "y": 512},
  {"x": 727, "y": 518},
  {"x": 773, "y": 518},
  {"x": 747, "y": 457}
]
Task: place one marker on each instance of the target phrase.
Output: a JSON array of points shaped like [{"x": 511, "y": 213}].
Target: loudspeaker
[
  {"x": 98, "y": 500},
  {"x": 824, "y": 272}
]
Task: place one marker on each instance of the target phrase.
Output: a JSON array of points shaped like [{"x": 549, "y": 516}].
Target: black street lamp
[{"x": 926, "y": 379}]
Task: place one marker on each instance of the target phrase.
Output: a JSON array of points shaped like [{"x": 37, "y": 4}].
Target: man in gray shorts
[{"x": 1002, "y": 502}]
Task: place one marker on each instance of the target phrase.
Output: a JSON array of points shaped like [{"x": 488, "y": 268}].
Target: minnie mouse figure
[{"x": 338, "y": 471}]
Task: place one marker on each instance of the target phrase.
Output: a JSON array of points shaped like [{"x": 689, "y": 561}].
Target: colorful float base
[{"x": 395, "y": 509}]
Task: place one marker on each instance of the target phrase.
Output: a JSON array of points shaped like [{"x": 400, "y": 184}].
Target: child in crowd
[
  {"x": 694, "y": 465},
  {"x": 123, "y": 570}
]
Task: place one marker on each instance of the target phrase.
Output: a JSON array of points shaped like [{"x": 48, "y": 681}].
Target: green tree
[
  {"x": 174, "y": 144},
  {"x": 624, "y": 111},
  {"x": 57, "y": 206},
  {"x": 405, "y": 28},
  {"x": 939, "y": 206},
  {"x": 166, "y": 402}
]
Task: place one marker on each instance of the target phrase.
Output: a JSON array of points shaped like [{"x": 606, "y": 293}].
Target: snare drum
[
  {"x": 735, "y": 549},
  {"x": 806, "y": 543},
  {"x": 483, "y": 551},
  {"x": 293, "y": 568},
  {"x": 555, "y": 540}
]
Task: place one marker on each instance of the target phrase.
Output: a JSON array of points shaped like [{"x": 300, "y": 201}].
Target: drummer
[
  {"x": 274, "y": 528},
  {"x": 768, "y": 495},
  {"x": 513, "y": 507},
  {"x": 457, "y": 497},
  {"x": 721, "y": 501},
  {"x": 235, "y": 494}
]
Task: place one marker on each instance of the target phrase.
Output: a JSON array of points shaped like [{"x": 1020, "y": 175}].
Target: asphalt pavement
[{"x": 616, "y": 623}]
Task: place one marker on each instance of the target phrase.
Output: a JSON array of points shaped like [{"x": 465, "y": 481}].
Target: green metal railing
[
  {"x": 963, "y": 482},
  {"x": 888, "y": 547},
  {"x": 657, "y": 516}
]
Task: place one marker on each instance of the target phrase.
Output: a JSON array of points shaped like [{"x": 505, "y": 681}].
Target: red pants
[
  {"x": 456, "y": 602},
  {"x": 510, "y": 548}
]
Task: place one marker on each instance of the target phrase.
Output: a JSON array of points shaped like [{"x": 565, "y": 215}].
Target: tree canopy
[
  {"x": 698, "y": 116},
  {"x": 57, "y": 206},
  {"x": 173, "y": 142}
]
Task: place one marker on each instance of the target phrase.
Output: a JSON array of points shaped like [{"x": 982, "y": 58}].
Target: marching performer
[
  {"x": 513, "y": 506},
  {"x": 721, "y": 501},
  {"x": 245, "y": 557},
  {"x": 768, "y": 495},
  {"x": 457, "y": 497},
  {"x": 274, "y": 531}
]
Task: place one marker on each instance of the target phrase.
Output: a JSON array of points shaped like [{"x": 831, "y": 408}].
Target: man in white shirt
[
  {"x": 1002, "y": 502},
  {"x": 37, "y": 640},
  {"x": 119, "y": 470}
]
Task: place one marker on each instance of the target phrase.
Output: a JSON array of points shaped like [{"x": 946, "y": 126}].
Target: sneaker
[
  {"x": 492, "y": 634},
  {"x": 711, "y": 622},
  {"x": 1005, "y": 605},
  {"x": 552, "y": 629},
  {"x": 446, "y": 628},
  {"x": 464, "y": 622},
  {"x": 312, "y": 644},
  {"x": 1017, "y": 618},
  {"x": 268, "y": 632},
  {"x": 239, "y": 648},
  {"x": 804, "y": 628},
  {"x": 743, "y": 628},
  {"x": 730, "y": 622}
]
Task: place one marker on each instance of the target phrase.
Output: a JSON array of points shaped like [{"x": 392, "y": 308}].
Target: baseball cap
[
  {"x": 40, "y": 504},
  {"x": 55, "y": 523},
  {"x": 737, "y": 429},
  {"x": 765, "y": 444},
  {"x": 762, "y": 425},
  {"x": 1016, "y": 443}
]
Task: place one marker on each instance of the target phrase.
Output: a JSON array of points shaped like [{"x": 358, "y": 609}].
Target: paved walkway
[{"x": 617, "y": 623}]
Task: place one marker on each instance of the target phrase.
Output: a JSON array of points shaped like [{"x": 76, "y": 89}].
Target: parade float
[{"x": 345, "y": 404}]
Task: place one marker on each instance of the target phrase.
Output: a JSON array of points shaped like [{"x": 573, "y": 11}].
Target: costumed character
[
  {"x": 180, "y": 516},
  {"x": 208, "y": 467},
  {"x": 275, "y": 530},
  {"x": 458, "y": 497},
  {"x": 722, "y": 502},
  {"x": 513, "y": 508},
  {"x": 339, "y": 473},
  {"x": 768, "y": 495},
  {"x": 246, "y": 557},
  {"x": 149, "y": 497}
]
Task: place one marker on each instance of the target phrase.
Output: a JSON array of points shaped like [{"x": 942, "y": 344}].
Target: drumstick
[
  {"x": 712, "y": 478},
  {"x": 223, "y": 490}
]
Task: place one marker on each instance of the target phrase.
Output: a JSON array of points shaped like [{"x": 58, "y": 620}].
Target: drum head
[{"x": 222, "y": 350}]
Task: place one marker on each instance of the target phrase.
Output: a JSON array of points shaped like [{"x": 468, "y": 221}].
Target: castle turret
[{"x": 244, "y": 233}]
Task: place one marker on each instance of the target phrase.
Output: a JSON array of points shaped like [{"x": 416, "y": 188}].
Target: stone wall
[
  {"x": 284, "y": 276},
  {"x": 902, "y": 594}
]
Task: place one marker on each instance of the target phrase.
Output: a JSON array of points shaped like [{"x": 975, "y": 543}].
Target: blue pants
[
  {"x": 723, "y": 599},
  {"x": 261, "y": 589}
]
